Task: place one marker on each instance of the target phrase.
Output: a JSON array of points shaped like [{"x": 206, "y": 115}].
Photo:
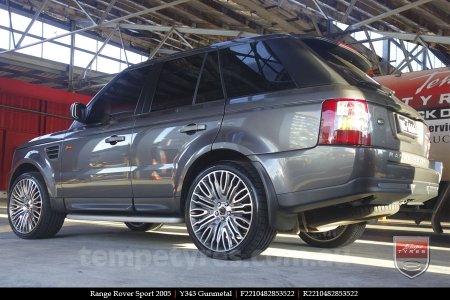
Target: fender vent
[{"x": 52, "y": 152}]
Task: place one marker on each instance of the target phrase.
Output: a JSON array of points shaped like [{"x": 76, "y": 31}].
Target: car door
[
  {"x": 96, "y": 156},
  {"x": 186, "y": 112}
]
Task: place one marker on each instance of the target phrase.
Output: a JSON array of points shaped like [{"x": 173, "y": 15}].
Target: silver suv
[{"x": 239, "y": 140}]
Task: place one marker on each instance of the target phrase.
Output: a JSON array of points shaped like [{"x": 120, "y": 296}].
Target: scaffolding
[{"x": 400, "y": 36}]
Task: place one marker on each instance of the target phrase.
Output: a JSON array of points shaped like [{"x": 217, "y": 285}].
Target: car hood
[{"x": 44, "y": 139}]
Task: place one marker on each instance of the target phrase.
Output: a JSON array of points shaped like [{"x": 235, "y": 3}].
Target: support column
[
  {"x": 72, "y": 57},
  {"x": 386, "y": 57}
]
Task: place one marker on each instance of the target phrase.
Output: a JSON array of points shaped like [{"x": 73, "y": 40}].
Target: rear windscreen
[{"x": 347, "y": 63}]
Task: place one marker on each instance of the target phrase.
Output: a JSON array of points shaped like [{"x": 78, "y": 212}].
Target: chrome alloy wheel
[
  {"x": 26, "y": 205},
  {"x": 221, "y": 210}
]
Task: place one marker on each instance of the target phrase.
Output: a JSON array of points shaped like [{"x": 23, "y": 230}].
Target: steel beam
[
  {"x": 140, "y": 7},
  {"x": 189, "y": 30},
  {"x": 385, "y": 59},
  {"x": 393, "y": 41},
  {"x": 407, "y": 23},
  {"x": 412, "y": 37},
  {"x": 429, "y": 59},
  {"x": 164, "y": 39},
  {"x": 11, "y": 27},
  {"x": 424, "y": 59},
  {"x": 106, "y": 12},
  {"x": 72, "y": 56},
  {"x": 96, "y": 54},
  {"x": 123, "y": 47},
  {"x": 183, "y": 39},
  {"x": 320, "y": 9},
  {"x": 105, "y": 24},
  {"x": 407, "y": 61},
  {"x": 390, "y": 13},
  {"x": 348, "y": 11},
  {"x": 365, "y": 13},
  {"x": 36, "y": 15},
  {"x": 407, "y": 55},
  {"x": 45, "y": 65},
  {"x": 268, "y": 16},
  {"x": 84, "y": 11}
]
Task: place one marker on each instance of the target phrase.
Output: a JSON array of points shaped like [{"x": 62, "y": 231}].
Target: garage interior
[{"x": 55, "y": 52}]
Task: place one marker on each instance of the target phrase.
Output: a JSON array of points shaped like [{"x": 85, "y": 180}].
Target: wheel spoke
[
  {"x": 221, "y": 209},
  {"x": 240, "y": 195},
  {"x": 232, "y": 187},
  {"x": 25, "y": 205},
  {"x": 232, "y": 231},
  {"x": 204, "y": 201},
  {"x": 241, "y": 209},
  {"x": 213, "y": 187},
  {"x": 203, "y": 222},
  {"x": 207, "y": 232}
]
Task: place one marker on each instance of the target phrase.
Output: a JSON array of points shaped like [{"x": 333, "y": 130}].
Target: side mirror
[{"x": 78, "y": 112}]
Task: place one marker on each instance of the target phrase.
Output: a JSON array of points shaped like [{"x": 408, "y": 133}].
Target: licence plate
[{"x": 406, "y": 126}]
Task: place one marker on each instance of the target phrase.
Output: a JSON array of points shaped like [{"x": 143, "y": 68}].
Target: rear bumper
[
  {"x": 326, "y": 176},
  {"x": 372, "y": 190}
]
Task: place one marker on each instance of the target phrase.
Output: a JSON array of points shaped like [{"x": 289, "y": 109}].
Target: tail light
[{"x": 344, "y": 122}]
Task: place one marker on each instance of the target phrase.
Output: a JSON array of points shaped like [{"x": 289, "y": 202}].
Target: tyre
[
  {"x": 226, "y": 212},
  {"x": 29, "y": 212},
  {"x": 143, "y": 226},
  {"x": 341, "y": 236}
]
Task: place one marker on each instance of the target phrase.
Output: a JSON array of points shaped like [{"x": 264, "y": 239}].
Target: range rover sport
[{"x": 239, "y": 140}]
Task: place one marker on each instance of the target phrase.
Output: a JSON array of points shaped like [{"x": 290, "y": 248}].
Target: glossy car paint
[
  {"x": 95, "y": 175},
  {"x": 160, "y": 152},
  {"x": 145, "y": 173}
]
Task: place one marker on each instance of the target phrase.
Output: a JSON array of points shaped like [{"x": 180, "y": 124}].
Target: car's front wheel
[
  {"x": 338, "y": 237},
  {"x": 29, "y": 212},
  {"x": 226, "y": 212},
  {"x": 135, "y": 226}
]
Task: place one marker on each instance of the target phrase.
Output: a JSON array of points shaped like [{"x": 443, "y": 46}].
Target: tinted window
[
  {"x": 253, "y": 69},
  {"x": 120, "y": 97},
  {"x": 348, "y": 63},
  {"x": 177, "y": 82},
  {"x": 210, "y": 87}
]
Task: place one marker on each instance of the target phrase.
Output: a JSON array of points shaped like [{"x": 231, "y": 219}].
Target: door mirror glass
[{"x": 78, "y": 112}]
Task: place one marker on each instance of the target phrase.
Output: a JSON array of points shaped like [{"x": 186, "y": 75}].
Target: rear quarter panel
[{"x": 279, "y": 121}]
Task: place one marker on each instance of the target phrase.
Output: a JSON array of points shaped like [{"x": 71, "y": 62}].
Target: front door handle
[
  {"x": 192, "y": 128},
  {"x": 114, "y": 139}
]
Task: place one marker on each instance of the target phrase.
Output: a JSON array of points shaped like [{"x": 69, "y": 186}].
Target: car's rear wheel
[
  {"x": 226, "y": 212},
  {"x": 29, "y": 212},
  {"x": 136, "y": 226},
  {"x": 338, "y": 237}
]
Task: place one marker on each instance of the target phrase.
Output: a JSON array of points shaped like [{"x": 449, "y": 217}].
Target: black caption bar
[{"x": 227, "y": 293}]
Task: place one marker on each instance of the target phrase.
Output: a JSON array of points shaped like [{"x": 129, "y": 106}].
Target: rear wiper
[
  {"x": 377, "y": 86},
  {"x": 369, "y": 84}
]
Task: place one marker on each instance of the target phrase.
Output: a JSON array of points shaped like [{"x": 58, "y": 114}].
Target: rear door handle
[
  {"x": 192, "y": 128},
  {"x": 114, "y": 139}
]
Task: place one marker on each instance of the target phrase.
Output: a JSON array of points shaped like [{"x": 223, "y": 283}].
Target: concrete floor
[{"x": 108, "y": 254}]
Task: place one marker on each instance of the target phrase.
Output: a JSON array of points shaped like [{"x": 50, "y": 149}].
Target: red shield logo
[{"x": 411, "y": 255}]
